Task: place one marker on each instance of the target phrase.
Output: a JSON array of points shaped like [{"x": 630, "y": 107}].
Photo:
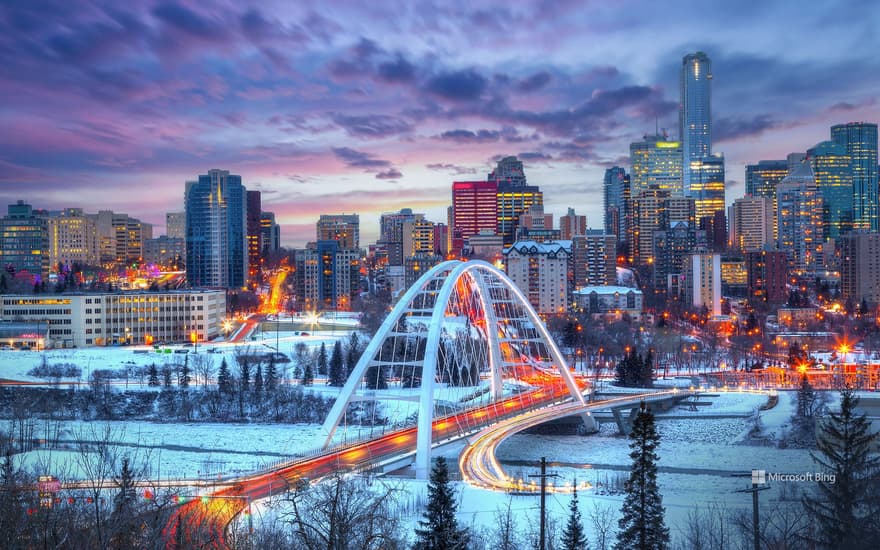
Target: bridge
[{"x": 462, "y": 353}]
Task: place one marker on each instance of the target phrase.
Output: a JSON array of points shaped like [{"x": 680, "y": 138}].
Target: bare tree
[
  {"x": 603, "y": 517},
  {"x": 203, "y": 366}
]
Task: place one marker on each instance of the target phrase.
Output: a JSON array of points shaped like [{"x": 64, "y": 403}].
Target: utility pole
[
  {"x": 542, "y": 544},
  {"x": 758, "y": 484}
]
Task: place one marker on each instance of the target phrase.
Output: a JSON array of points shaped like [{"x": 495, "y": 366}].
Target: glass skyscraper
[
  {"x": 694, "y": 112},
  {"x": 831, "y": 168},
  {"x": 216, "y": 249},
  {"x": 617, "y": 202},
  {"x": 707, "y": 185},
  {"x": 860, "y": 141},
  {"x": 656, "y": 161}
]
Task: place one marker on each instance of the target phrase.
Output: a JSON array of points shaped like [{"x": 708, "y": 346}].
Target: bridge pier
[{"x": 624, "y": 424}]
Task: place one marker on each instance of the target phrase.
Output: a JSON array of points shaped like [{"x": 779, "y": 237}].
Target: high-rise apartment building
[
  {"x": 343, "y": 228},
  {"x": 860, "y": 141},
  {"x": 392, "y": 233},
  {"x": 656, "y": 161},
  {"x": 707, "y": 185},
  {"x": 120, "y": 237},
  {"x": 270, "y": 233},
  {"x": 799, "y": 219},
  {"x": 175, "y": 225},
  {"x": 593, "y": 259},
  {"x": 24, "y": 241},
  {"x": 767, "y": 272},
  {"x": 695, "y": 113},
  {"x": 860, "y": 267},
  {"x": 703, "y": 282},
  {"x": 617, "y": 202},
  {"x": 751, "y": 223},
  {"x": 326, "y": 276},
  {"x": 254, "y": 231},
  {"x": 571, "y": 225},
  {"x": 540, "y": 270},
  {"x": 216, "y": 231},
  {"x": 418, "y": 238},
  {"x": 474, "y": 209},
  {"x": 73, "y": 239},
  {"x": 831, "y": 168},
  {"x": 649, "y": 208}
]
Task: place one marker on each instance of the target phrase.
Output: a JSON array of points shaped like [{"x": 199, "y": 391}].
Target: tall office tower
[
  {"x": 831, "y": 168},
  {"x": 474, "y": 209},
  {"x": 793, "y": 160},
  {"x": 707, "y": 185},
  {"x": 271, "y": 233},
  {"x": 509, "y": 170},
  {"x": 441, "y": 239},
  {"x": 860, "y": 266},
  {"x": 860, "y": 141},
  {"x": 762, "y": 178},
  {"x": 703, "y": 282},
  {"x": 594, "y": 261},
  {"x": 24, "y": 242},
  {"x": 175, "y": 225},
  {"x": 513, "y": 201},
  {"x": 254, "y": 231},
  {"x": 617, "y": 202},
  {"x": 656, "y": 161},
  {"x": 572, "y": 225},
  {"x": 674, "y": 238},
  {"x": 767, "y": 275},
  {"x": 799, "y": 219},
  {"x": 120, "y": 237},
  {"x": 343, "y": 228},
  {"x": 535, "y": 225},
  {"x": 73, "y": 239},
  {"x": 216, "y": 231},
  {"x": 751, "y": 223},
  {"x": 695, "y": 113},
  {"x": 649, "y": 208},
  {"x": 391, "y": 233}
]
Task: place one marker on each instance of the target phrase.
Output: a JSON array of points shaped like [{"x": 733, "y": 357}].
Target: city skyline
[{"x": 344, "y": 109}]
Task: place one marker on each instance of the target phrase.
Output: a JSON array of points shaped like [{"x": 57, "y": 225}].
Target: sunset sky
[{"x": 363, "y": 107}]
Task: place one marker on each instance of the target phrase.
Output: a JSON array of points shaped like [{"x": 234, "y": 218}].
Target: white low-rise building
[
  {"x": 616, "y": 300},
  {"x": 102, "y": 319}
]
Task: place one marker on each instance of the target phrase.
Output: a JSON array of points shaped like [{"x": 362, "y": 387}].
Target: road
[
  {"x": 478, "y": 462},
  {"x": 203, "y": 522}
]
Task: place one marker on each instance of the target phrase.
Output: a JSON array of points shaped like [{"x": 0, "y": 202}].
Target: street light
[{"x": 194, "y": 338}]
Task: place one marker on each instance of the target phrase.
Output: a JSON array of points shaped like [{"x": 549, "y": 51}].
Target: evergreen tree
[
  {"x": 166, "y": 377},
  {"x": 646, "y": 370},
  {"x": 439, "y": 530},
  {"x": 806, "y": 398},
  {"x": 244, "y": 372},
  {"x": 641, "y": 523},
  {"x": 841, "y": 509},
  {"x": 123, "y": 518},
  {"x": 321, "y": 360},
  {"x": 153, "y": 376},
  {"x": 375, "y": 378},
  {"x": 308, "y": 377},
  {"x": 336, "y": 375},
  {"x": 574, "y": 537},
  {"x": 258, "y": 381},
  {"x": 271, "y": 376},
  {"x": 184, "y": 378},
  {"x": 353, "y": 353},
  {"x": 224, "y": 378}
]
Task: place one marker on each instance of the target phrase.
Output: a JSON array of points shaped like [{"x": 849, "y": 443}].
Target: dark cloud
[
  {"x": 733, "y": 128},
  {"x": 390, "y": 174},
  {"x": 372, "y": 126},
  {"x": 534, "y": 156},
  {"x": 467, "y": 136},
  {"x": 184, "y": 19},
  {"x": 453, "y": 168},
  {"x": 359, "y": 159},
  {"x": 398, "y": 70},
  {"x": 464, "y": 85},
  {"x": 534, "y": 82}
]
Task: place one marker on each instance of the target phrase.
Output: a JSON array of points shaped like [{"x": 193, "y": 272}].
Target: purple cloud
[{"x": 359, "y": 159}]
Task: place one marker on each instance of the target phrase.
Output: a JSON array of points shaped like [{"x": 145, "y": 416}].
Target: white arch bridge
[{"x": 462, "y": 349}]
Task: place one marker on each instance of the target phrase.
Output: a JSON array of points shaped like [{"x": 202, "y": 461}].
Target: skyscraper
[
  {"x": 73, "y": 238},
  {"x": 762, "y": 178},
  {"x": 254, "y": 231},
  {"x": 831, "y": 168},
  {"x": 571, "y": 225},
  {"x": 509, "y": 170},
  {"x": 344, "y": 228},
  {"x": 474, "y": 208},
  {"x": 860, "y": 141},
  {"x": 656, "y": 161},
  {"x": 271, "y": 233},
  {"x": 175, "y": 225},
  {"x": 799, "y": 219},
  {"x": 216, "y": 230},
  {"x": 617, "y": 202},
  {"x": 751, "y": 223},
  {"x": 694, "y": 112},
  {"x": 707, "y": 185}
]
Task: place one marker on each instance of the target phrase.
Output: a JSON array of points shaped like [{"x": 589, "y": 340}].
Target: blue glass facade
[
  {"x": 216, "y": 249},
  {"x": 860, "y": 141},
  {"x": 831, "y": 169},
  {"x": 694, "y": 112}
]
